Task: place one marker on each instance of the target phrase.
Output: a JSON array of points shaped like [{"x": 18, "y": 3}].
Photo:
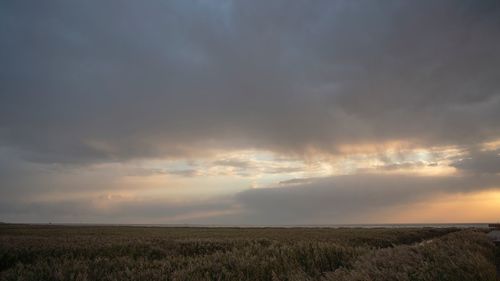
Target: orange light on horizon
[{"x": 478, "y": 207}]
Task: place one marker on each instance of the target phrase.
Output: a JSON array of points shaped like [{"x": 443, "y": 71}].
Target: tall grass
[
  {"x": 133, "y": 253},
  {"x": 461, "y": 256}
]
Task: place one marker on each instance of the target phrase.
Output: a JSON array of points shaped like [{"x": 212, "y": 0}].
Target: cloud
[
  {"x": 235, "y": 163},
  {"x": 114, "y": 209},
  {"x": 351, "y": 198},
  {"x": 90, "y": 91},
  {"x": 87, "y": 82},
  {"x": 480, "y": 162},
  {"x": 358, "y": 198},
  {"x": 189, "y": 172}
]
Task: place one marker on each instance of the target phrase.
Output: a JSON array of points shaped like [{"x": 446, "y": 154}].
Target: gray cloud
[
  {"x": 117, "y": 210},
  {"x": 331, "y": 200},
  {"x": 94, "y": 82},
  {"x": 480, "y": 162},
  {"x": 348, "y": 199},
  {"x": 235, "y": 163},
  {"x": 189, "y": 172},
  {"x": 404, "y": 165},
  {"x": 90, "y": 82}
]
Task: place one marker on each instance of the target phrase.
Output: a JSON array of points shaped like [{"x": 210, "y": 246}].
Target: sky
[{"x": 250, "y": 112}]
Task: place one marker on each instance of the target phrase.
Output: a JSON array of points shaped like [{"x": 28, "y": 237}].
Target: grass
[{"x": 156, "y": 253}]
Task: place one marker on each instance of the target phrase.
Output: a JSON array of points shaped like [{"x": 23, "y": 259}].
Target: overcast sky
[{"x": 250, "y": 112}]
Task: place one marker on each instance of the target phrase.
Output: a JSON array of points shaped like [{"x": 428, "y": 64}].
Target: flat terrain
[{"x": 52, "y": 252}]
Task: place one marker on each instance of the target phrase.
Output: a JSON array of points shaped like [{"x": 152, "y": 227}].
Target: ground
[{"x": 51, "y": 252}]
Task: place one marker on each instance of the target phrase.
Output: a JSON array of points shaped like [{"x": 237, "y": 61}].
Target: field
[{"x": 155, "y": 253}]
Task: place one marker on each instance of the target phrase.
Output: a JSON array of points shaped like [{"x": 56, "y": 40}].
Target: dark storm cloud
[
  {"x": 109, "y": 81},
  {"x": 106, "y": 80},
  {"x": 480, "y": 162},
  {"x": 344, "y": 199}
]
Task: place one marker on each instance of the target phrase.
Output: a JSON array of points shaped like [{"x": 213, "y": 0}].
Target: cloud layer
[
  {"x": 87, "y": 82},
  {"x": 344, "y": 199},
  {"x": 95, "y": 95}
]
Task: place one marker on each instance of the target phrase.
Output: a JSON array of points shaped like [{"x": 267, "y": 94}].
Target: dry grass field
[{"x": 164, "y": 253}]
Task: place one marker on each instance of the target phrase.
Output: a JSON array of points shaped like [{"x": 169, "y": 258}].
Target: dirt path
[
  {"x": 495, "y": 236},
  {"x": 497, "y": 260}
]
